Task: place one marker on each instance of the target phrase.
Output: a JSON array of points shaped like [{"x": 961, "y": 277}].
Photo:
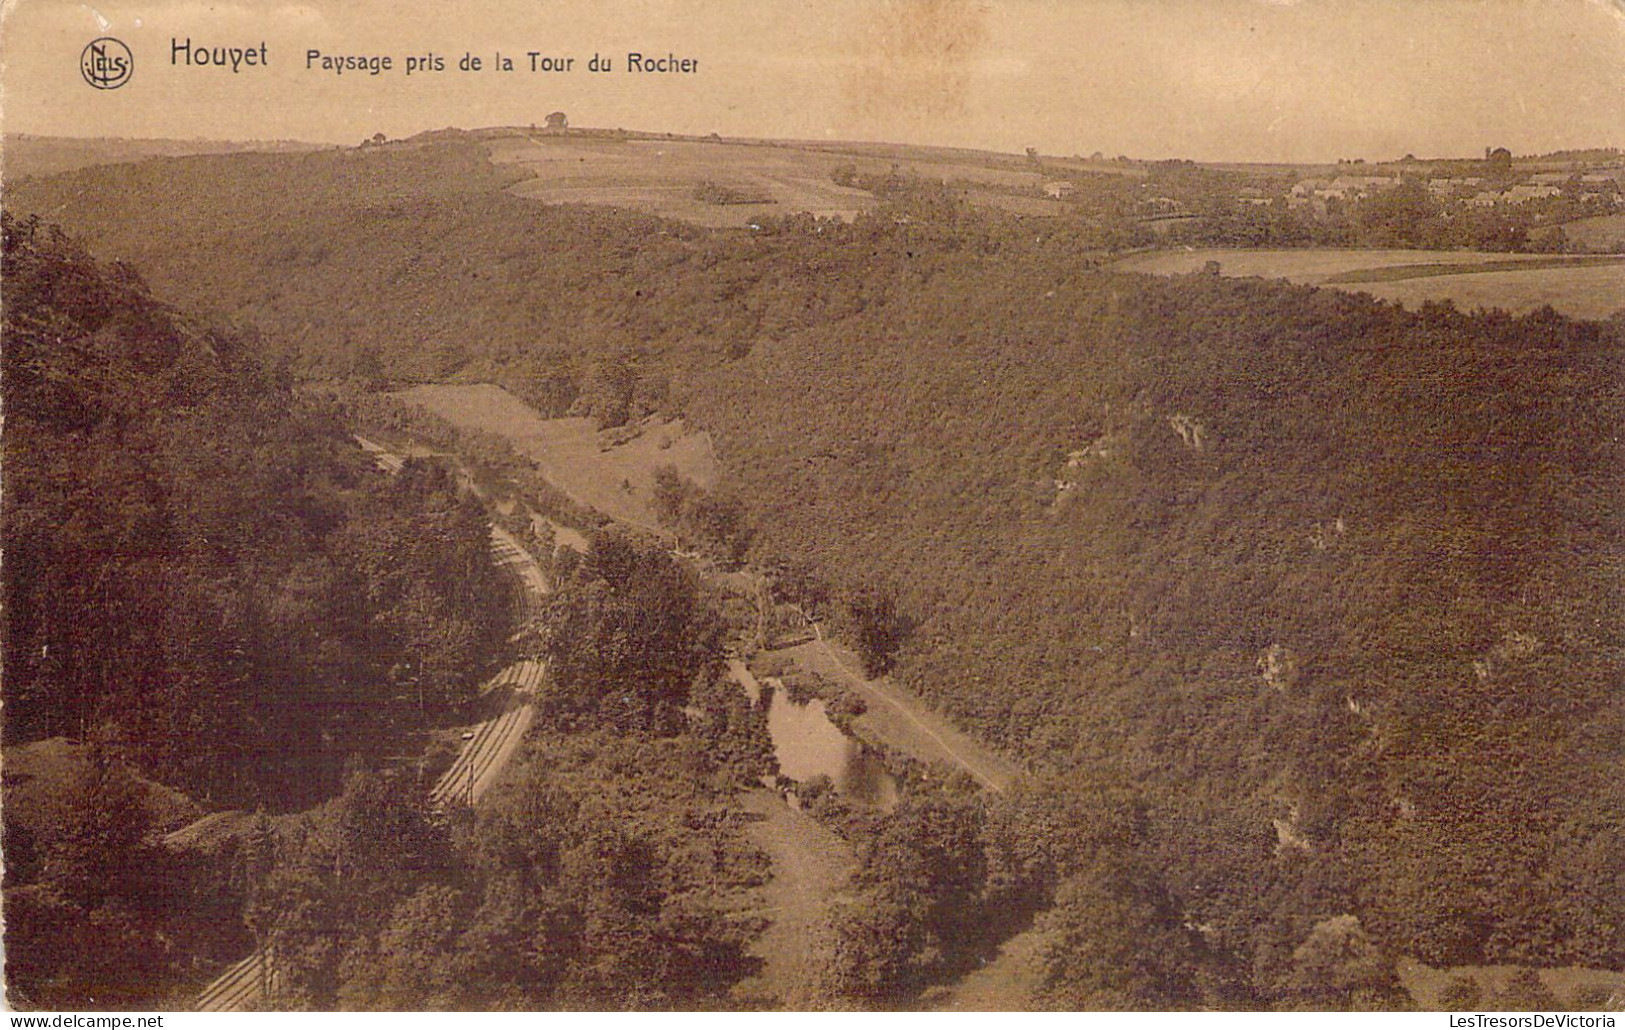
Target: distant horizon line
[{"x": 802, "y": 141}]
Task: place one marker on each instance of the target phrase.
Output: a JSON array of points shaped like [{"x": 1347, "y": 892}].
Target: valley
[{"x": 1198, "y": 636}]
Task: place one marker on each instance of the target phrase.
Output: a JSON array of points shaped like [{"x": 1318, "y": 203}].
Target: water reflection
[{"x": 808, "y": 744}]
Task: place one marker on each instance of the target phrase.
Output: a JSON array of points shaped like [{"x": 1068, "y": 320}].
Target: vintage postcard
[{"x": 923, "y": 505}]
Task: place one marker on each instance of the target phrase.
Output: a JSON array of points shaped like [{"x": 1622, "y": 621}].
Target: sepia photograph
[{"x": 920, "y": 506}]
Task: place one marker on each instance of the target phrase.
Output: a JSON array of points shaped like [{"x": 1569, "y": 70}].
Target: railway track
[
  {"x": 239, "y": 988},
  {"x": 494, "y": 740},
  {"x": 244, "y": 985}
]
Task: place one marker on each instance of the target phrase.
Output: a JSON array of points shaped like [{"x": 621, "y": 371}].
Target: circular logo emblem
[{"x": 106, "y": 63}]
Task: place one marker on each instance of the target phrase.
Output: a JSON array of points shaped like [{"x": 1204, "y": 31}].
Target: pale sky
[{"x": 1245, "y": 80}]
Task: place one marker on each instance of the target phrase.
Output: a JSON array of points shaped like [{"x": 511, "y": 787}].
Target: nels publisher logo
[{"x": 106, "y": 63}]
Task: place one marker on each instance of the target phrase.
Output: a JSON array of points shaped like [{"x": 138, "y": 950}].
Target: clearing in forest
[
  {"x": 729, "y": 183},
  {"x": 616, "y": 479},
  {"x": 810, "y": 866}
]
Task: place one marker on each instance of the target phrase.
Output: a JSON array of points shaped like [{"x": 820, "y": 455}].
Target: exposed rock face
[
  {"x": 1326, "y": 534},
  {"x": 1191, "y": 431},
  {"x": 1289, "y": 839},
  {"x": 1514, "y": 646},
  {"x": 1278, "y": 666},
  {"x": 1289, "y": 836},
  {"x": 1067, "y": 480}
]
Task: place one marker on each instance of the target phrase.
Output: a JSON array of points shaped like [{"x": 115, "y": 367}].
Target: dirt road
[{"x": 899, "y": 720}]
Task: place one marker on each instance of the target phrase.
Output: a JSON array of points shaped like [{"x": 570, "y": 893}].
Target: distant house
[
  {"x": 1484, "y": 198},
  {"x": 1353, "y": 185},
  {"x": 1524, "y": 194},
  {"x": 557, "y": 122},
  {"x": 1160, "y": 207},
  {"x": 1059, "y": 188},
  {"x": 1308, "y": 187}
]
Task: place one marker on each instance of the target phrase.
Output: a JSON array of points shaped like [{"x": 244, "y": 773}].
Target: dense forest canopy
[
  {"x": 1320, "y": 594},
  {"x": 1330, "y": 581},
  {"x": 202, "y": 569}
]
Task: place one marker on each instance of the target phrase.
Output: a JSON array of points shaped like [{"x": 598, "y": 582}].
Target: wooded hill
[
  {"x": 202, "y": 569},
  {"x": 1328, "y": 590}
]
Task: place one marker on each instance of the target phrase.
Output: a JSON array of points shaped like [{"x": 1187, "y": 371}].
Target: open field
[
  {"x": 810, "y": 864},
  {"x": 666, "y": 176},
  {"x": 1008, "y": 983},
  {"x": 1426, "y": 983},
  {"x": 1514, "y": 282},
  {"x": 1585, "y": 292},
  {"x": 1313, "y": 267},
  {"x": 1394, "y": 273},
  {"x": 1604, "y": 232},
  {"x": 617, "y": 480}
]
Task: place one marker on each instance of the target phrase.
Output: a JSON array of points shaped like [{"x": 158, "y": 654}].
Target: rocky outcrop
[{"x": 1278, "y": 666}]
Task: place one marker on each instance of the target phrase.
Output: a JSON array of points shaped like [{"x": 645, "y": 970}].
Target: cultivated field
[
  {"x": 666, "y": 177},
  {"x": 1602, "y": 233},
  {"x": 728, "y": 183},
  {"x": 617, "y": 480},
  {"x": 1583, "y": 292},
  {"x": 1577, "y": 286}
]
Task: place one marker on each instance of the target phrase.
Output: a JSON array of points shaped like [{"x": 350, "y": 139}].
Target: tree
[
  {"x": 1462, "y": 993},
  {"x": 880, "y": 629},
  {"x": 381, "y": 831},
  {"x": 1119, "y": 942},
  {"x": 627, "y": 635},
  {"x": 1524, "y": 991},
  {"x": 97, "y": 855},
  {"x": 877, "y": 948},
  {"x": 735, "y": 728},
  {"x": 919, "y": 914},
  {"x": 669, "y": 491},
  {"x": 1339, "y": 967}
]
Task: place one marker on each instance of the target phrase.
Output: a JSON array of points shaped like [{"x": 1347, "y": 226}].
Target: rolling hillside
[
  {"x": 1583, "y": 287},
  {"x": 1312, "y": 601}
]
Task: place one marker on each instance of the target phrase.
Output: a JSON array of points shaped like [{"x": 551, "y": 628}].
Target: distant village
[
  {"x": 1495, "y": 181},
  {"x": 1500, "y": 202},
  {"x": 1502, "y": 183}
]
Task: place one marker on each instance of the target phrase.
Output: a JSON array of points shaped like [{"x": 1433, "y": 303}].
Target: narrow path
[
  {"x": 946, "y": 742},
  {"x": 810, "y": 866}
]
